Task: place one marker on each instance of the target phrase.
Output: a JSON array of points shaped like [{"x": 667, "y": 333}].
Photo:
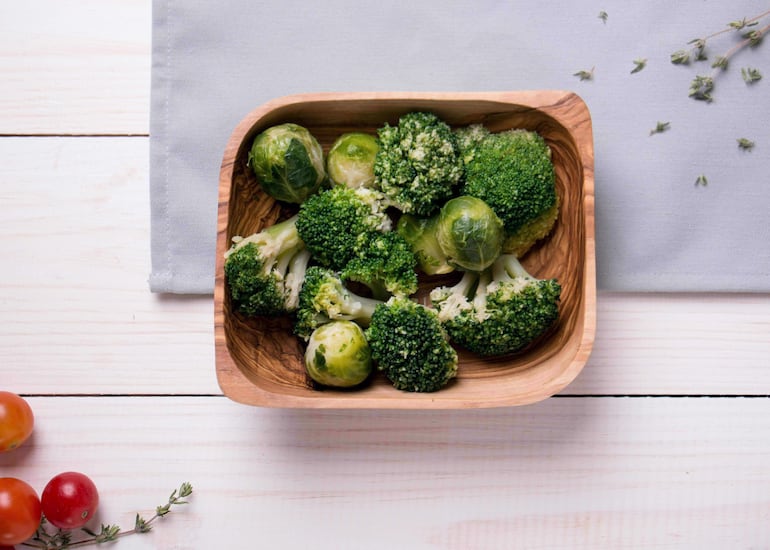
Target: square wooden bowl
[{"x": 259, "y": 361}]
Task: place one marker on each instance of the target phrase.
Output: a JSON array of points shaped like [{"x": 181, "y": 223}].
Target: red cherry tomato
[
  {"x": 16, "y": 421},
  {"x": 19, "y": 511},
  {"x": 69, "y": 500}
]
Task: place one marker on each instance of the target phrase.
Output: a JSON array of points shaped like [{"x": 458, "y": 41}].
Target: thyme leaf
[
  {"x": 660, "y": 128},
  {"x": 701, "y": 88},
  {"x": 750, "y": 75},
  {"x": 639, "y": 65},
  {"x": 585, "y": 75}
]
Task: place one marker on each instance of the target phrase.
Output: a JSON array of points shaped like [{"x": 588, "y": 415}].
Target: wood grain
[
  {"x": 259, "y": 361},
  {"x": 75, "y": 68},
  {"x": 563, "y": 474}
]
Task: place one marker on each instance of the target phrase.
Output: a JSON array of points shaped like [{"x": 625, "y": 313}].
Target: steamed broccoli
[
  {"x": 500, "y": 310},
  {"x": 330, "y": 222},
  {"x": 324, "y": 298},
  {"x": 417, "y": 165},
  {"x": 410, "y": 346},
  {"x": 264, "y": 271},
  {"x": 513, "y": 173},
  {"x": 385, "y": 263}
]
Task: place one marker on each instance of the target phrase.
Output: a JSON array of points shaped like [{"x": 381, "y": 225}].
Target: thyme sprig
[
  {"x": 702, "y": 85},
  {"x": 64, "y": 539}
]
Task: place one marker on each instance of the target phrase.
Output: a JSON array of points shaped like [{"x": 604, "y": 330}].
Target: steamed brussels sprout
[
  {"x": 350, "y": 161},
  {"x": 288, "y": 161},
  {"x": 470, "y": 233},
  {"x": 420, "y": 233},
  {"x": 338, "y": 355}
]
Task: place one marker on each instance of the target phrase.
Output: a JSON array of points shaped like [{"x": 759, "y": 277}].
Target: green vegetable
[
  {"x": 513, "y": 173},
  {"x": 410, "y": 346},
  {"x": 264, "y": 271},
  {"x": 338, "y": 355},
  {"x": 500, "y": 310},
  {"x": 350, "y": 161},
  {"x": 288, "y": 162},
  {"x": 385, "y": 263},
  {"x": 420, "y": 233},
  {"x": 417, "y": 166},
  {"x": 469, "y": 232},
  {"x": 324, "y": 298},
  {"x": 331, "y": 221}
]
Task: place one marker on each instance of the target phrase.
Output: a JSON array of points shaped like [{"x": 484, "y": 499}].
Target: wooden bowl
[{"x": 259, "y": 361}]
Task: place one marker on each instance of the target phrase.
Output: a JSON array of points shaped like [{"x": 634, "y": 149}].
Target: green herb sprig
[
  {"x": 745, "y": 144},
  {"x": 702, "y": 85},
  {"x": 64, "y": 539}
]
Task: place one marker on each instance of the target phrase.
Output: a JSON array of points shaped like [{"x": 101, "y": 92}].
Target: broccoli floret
[
  {"x": 410, "y": 346},
  {"x": 264, "y": 271},
  {"x": 500, "y": 310},
  {"x": 417, "y": 165},
  {"x": 324, "y": 298},
  {"x": 468, "y": 137},
  {"x": 513, "y": 173},
  {"x": 385, "y": 263},
  {"x": 330, "y": 222}
]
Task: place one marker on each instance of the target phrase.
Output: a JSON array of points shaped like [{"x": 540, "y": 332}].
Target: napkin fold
[{"x": 660, "y": 226}]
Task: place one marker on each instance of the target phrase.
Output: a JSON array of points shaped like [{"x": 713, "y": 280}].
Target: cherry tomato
[
  {"x": 16, "y": 421},
  {"x": 19, "y": 511},
  {"x": 69, "y": 500}
]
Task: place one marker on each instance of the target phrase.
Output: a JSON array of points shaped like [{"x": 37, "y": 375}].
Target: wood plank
[
  {"x": 75, "y": 67},
  {"x": 568, "y": 473},
  {"x": 77, "y": 316},
  {"x": 77, "y": 313}
]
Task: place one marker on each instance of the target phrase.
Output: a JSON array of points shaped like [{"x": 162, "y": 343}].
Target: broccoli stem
[
  {"x": 297, "y": 267},
  {"x": 466, "y": 284},
  {"x": 272, "y": 241},
  {"x": 508, "y": 267},
  {"x": 358, "y": 308},
  {"x": 285, "y": 234}
]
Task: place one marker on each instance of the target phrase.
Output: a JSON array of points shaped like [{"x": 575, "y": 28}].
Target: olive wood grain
[{"x": 259, "y": 361}]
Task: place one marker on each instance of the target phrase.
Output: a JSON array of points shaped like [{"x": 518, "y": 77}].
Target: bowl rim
[{"x": 554, "y": 103}]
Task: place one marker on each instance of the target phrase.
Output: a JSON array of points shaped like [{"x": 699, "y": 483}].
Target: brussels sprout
[
  {"x": 338, "y": 355},
  {"x": 470, "y": 233},
  {"x": 350, "y": 161},
  {"x": 288, "y": 161},
  {"x": 420, "y": 233}
]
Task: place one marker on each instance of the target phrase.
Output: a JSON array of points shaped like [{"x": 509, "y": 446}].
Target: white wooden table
[{"x": 662, "y": 442}]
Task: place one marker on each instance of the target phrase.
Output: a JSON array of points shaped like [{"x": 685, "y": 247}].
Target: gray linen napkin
[{"x": 657, "y": 230}]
